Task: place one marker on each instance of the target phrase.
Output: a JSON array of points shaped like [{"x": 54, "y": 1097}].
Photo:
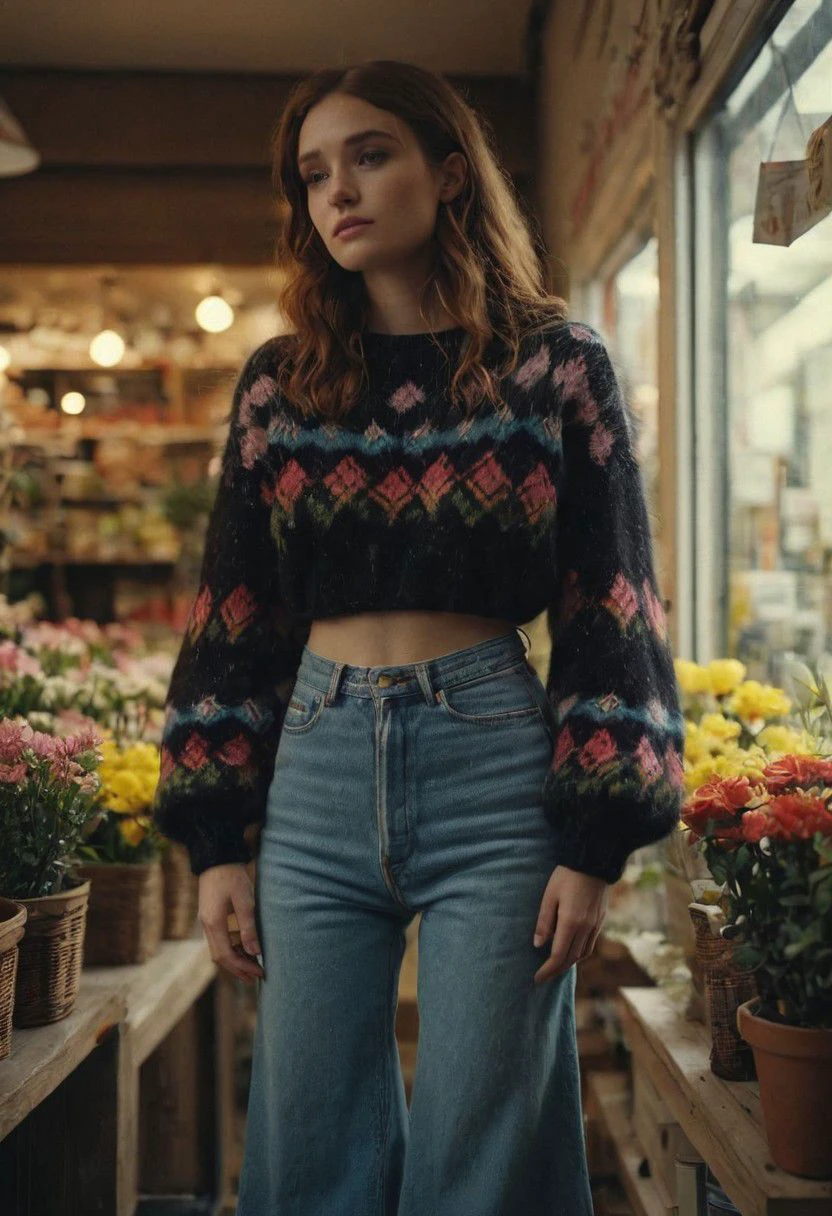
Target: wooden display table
[
  {"x": 721, "y": 1119},
  {"x": 74, "y": 1135}
]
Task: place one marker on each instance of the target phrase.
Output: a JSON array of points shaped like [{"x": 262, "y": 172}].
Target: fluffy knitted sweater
[{"x": 530, "y": 505}]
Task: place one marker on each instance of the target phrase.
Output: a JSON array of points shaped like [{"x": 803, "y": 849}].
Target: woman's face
[{"x": 382, "y": 177}]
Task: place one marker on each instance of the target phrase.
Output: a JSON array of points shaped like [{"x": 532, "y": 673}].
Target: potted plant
[
  {"x": 768, "y": 840},
  {"x": 732, "y": 726},
  {"x": 48, "y": 789},
  {"x": 121, "y": 858}
]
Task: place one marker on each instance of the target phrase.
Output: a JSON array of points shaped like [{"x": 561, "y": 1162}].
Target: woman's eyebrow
[{"x": 351, "y": 139}]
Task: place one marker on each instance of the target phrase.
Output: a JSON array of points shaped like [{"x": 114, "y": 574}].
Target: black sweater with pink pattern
[{"x": 530, "y": 505}]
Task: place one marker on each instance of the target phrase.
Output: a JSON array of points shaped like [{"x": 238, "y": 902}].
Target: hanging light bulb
[
  {"x": 107, "y": 347},
  {"x": 73, "y": 403},
  {"x": 214, "y": 314}
]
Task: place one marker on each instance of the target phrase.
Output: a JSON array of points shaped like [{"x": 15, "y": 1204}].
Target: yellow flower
[
  {"x": 691, "y": 677},
  {"x": 753, "y": 700},
  {"x": 720, "y": 726},
  {"x": 133, "y": 833},
  {"x": 724, "y": 675},
  {"x": 785, "y": 740}
]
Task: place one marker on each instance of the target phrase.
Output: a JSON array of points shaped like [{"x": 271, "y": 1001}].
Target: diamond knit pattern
[{"x": 532, "y": 504}]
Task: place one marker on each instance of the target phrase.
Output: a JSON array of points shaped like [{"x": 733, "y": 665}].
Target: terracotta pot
[
  {"x": 12, "y": 921},
  {"x": 51, "y": 952},
  {"x": 794, "y": 1067}
]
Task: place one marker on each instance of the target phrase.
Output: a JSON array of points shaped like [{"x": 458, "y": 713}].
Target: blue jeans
[{"x": 420, "y": 793}]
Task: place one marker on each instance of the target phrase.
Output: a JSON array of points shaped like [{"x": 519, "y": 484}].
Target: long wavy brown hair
[{"x": 487, "y": 270}]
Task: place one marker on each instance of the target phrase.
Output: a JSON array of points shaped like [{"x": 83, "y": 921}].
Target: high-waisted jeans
[{"x": 401, "y": 790}]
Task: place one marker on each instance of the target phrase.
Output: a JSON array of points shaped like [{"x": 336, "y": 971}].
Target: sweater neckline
[{"x": 415, "y": 338}]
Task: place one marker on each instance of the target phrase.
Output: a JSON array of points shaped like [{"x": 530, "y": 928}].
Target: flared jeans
[{"x": 401, "y": 790}]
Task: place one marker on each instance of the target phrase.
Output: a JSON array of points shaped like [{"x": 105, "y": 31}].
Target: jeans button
[{"x": 385, "y": 681}]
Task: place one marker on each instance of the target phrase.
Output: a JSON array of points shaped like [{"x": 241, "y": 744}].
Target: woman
[{"x": 433, "y": 456}]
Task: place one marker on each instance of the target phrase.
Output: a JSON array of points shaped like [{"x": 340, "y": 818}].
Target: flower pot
[
  {"x": 126, "y": 913},
  {"x": 181, "y": 893},
  {"x": 794, "y": 1067},
  {"x": 12, "y": 921},
  {"x": 726, "y": 986},
  {"x": 51, "y": 951}
]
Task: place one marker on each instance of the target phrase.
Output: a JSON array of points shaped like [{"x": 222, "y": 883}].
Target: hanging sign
[{"x": 793, "y": 195}]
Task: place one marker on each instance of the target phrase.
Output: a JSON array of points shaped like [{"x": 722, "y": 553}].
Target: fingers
[
  {"x": 232, "y": 938},
  {"x": 573, "y": 942}
]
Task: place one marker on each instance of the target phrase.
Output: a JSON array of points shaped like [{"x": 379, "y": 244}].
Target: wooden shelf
[
  {"x": 722, "y": 1119},
  {"x": 42, "y": 1057},
  {"x": 611, "y": 1093},
  {"x": 74, "y": 1094},
  {"x": 157, "y": 993}
]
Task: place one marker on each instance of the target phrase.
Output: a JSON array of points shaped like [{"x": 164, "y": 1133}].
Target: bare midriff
[{"x": 390, "y": 638}]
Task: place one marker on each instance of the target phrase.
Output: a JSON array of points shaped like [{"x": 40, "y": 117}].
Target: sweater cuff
[
  {"x": 222, "y": 847},
  {"x": 213, "y": 839},
  {"x": 598, "y": 838}
]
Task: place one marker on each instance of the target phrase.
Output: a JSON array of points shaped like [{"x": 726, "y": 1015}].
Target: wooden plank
[
  {"x": 160, "y": 991},
  {"x": 721, "y": 1119},
  {"x": 610, "y": 1092},
  {"x": 44, "y": 1056},
  {"x": 63, "y": 1160}
]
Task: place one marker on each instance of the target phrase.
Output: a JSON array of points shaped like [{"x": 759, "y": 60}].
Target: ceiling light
[
  {"x": 214, "y": 314},
  {"x": 107, "y": 348},
  {"x": 73, "y": 403},
  {"x": 17, "y": 156}
]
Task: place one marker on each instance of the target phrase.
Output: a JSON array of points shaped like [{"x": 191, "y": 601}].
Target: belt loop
[
  {"x": 424, "y": 681},
  {"x": 333, "y": 682}
]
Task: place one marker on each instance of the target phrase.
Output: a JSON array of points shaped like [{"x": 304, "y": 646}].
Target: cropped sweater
[{"x": 535, "y": 503}]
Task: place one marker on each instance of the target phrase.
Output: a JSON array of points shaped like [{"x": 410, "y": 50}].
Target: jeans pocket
[
  {"x": 303, "y": 710},
  {"x": 491, "y": 698}
]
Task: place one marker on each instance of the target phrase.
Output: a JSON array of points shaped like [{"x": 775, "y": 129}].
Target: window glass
[{"x": 776, "y": 337}]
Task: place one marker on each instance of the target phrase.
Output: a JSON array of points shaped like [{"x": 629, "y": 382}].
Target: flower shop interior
[{"x": 676, "y": 159}]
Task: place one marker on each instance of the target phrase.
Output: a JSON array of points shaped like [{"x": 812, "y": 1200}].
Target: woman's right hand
[{"x": 222, "y": 889}]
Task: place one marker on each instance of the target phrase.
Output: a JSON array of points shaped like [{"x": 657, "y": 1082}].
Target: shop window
[{"x": 763, "y": 351}]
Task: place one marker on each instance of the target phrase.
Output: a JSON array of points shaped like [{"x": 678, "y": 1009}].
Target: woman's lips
[{"x": 355, "y": 227}]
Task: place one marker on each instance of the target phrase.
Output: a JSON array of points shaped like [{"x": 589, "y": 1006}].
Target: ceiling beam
[{"x": 175, "y": 167}]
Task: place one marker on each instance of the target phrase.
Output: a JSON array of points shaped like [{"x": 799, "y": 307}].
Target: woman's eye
[{"x": 311, "y": 179}]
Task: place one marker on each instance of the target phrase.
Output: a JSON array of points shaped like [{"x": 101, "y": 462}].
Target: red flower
[
  {"x": 721, "y": 800},
  {"x": 798, "y": 816},
  {"x": 789, "y": 772}
]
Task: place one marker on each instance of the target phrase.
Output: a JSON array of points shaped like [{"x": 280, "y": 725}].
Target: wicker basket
[
  {"x": 51, "y": 952},
  {"x": 181, "y": 893},
  {"x": 126, "y": 912},
  {"x": 12, "y": 920},
  {"x": 726, "y": 988}
]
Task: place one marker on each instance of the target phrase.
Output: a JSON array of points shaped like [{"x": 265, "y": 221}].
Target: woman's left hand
[{"x": 573, "y": 908}]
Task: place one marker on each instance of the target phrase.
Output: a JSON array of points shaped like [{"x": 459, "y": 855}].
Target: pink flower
[
  {"x": 13, "y": 774},
  {"x": 11, "y": 741}
]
